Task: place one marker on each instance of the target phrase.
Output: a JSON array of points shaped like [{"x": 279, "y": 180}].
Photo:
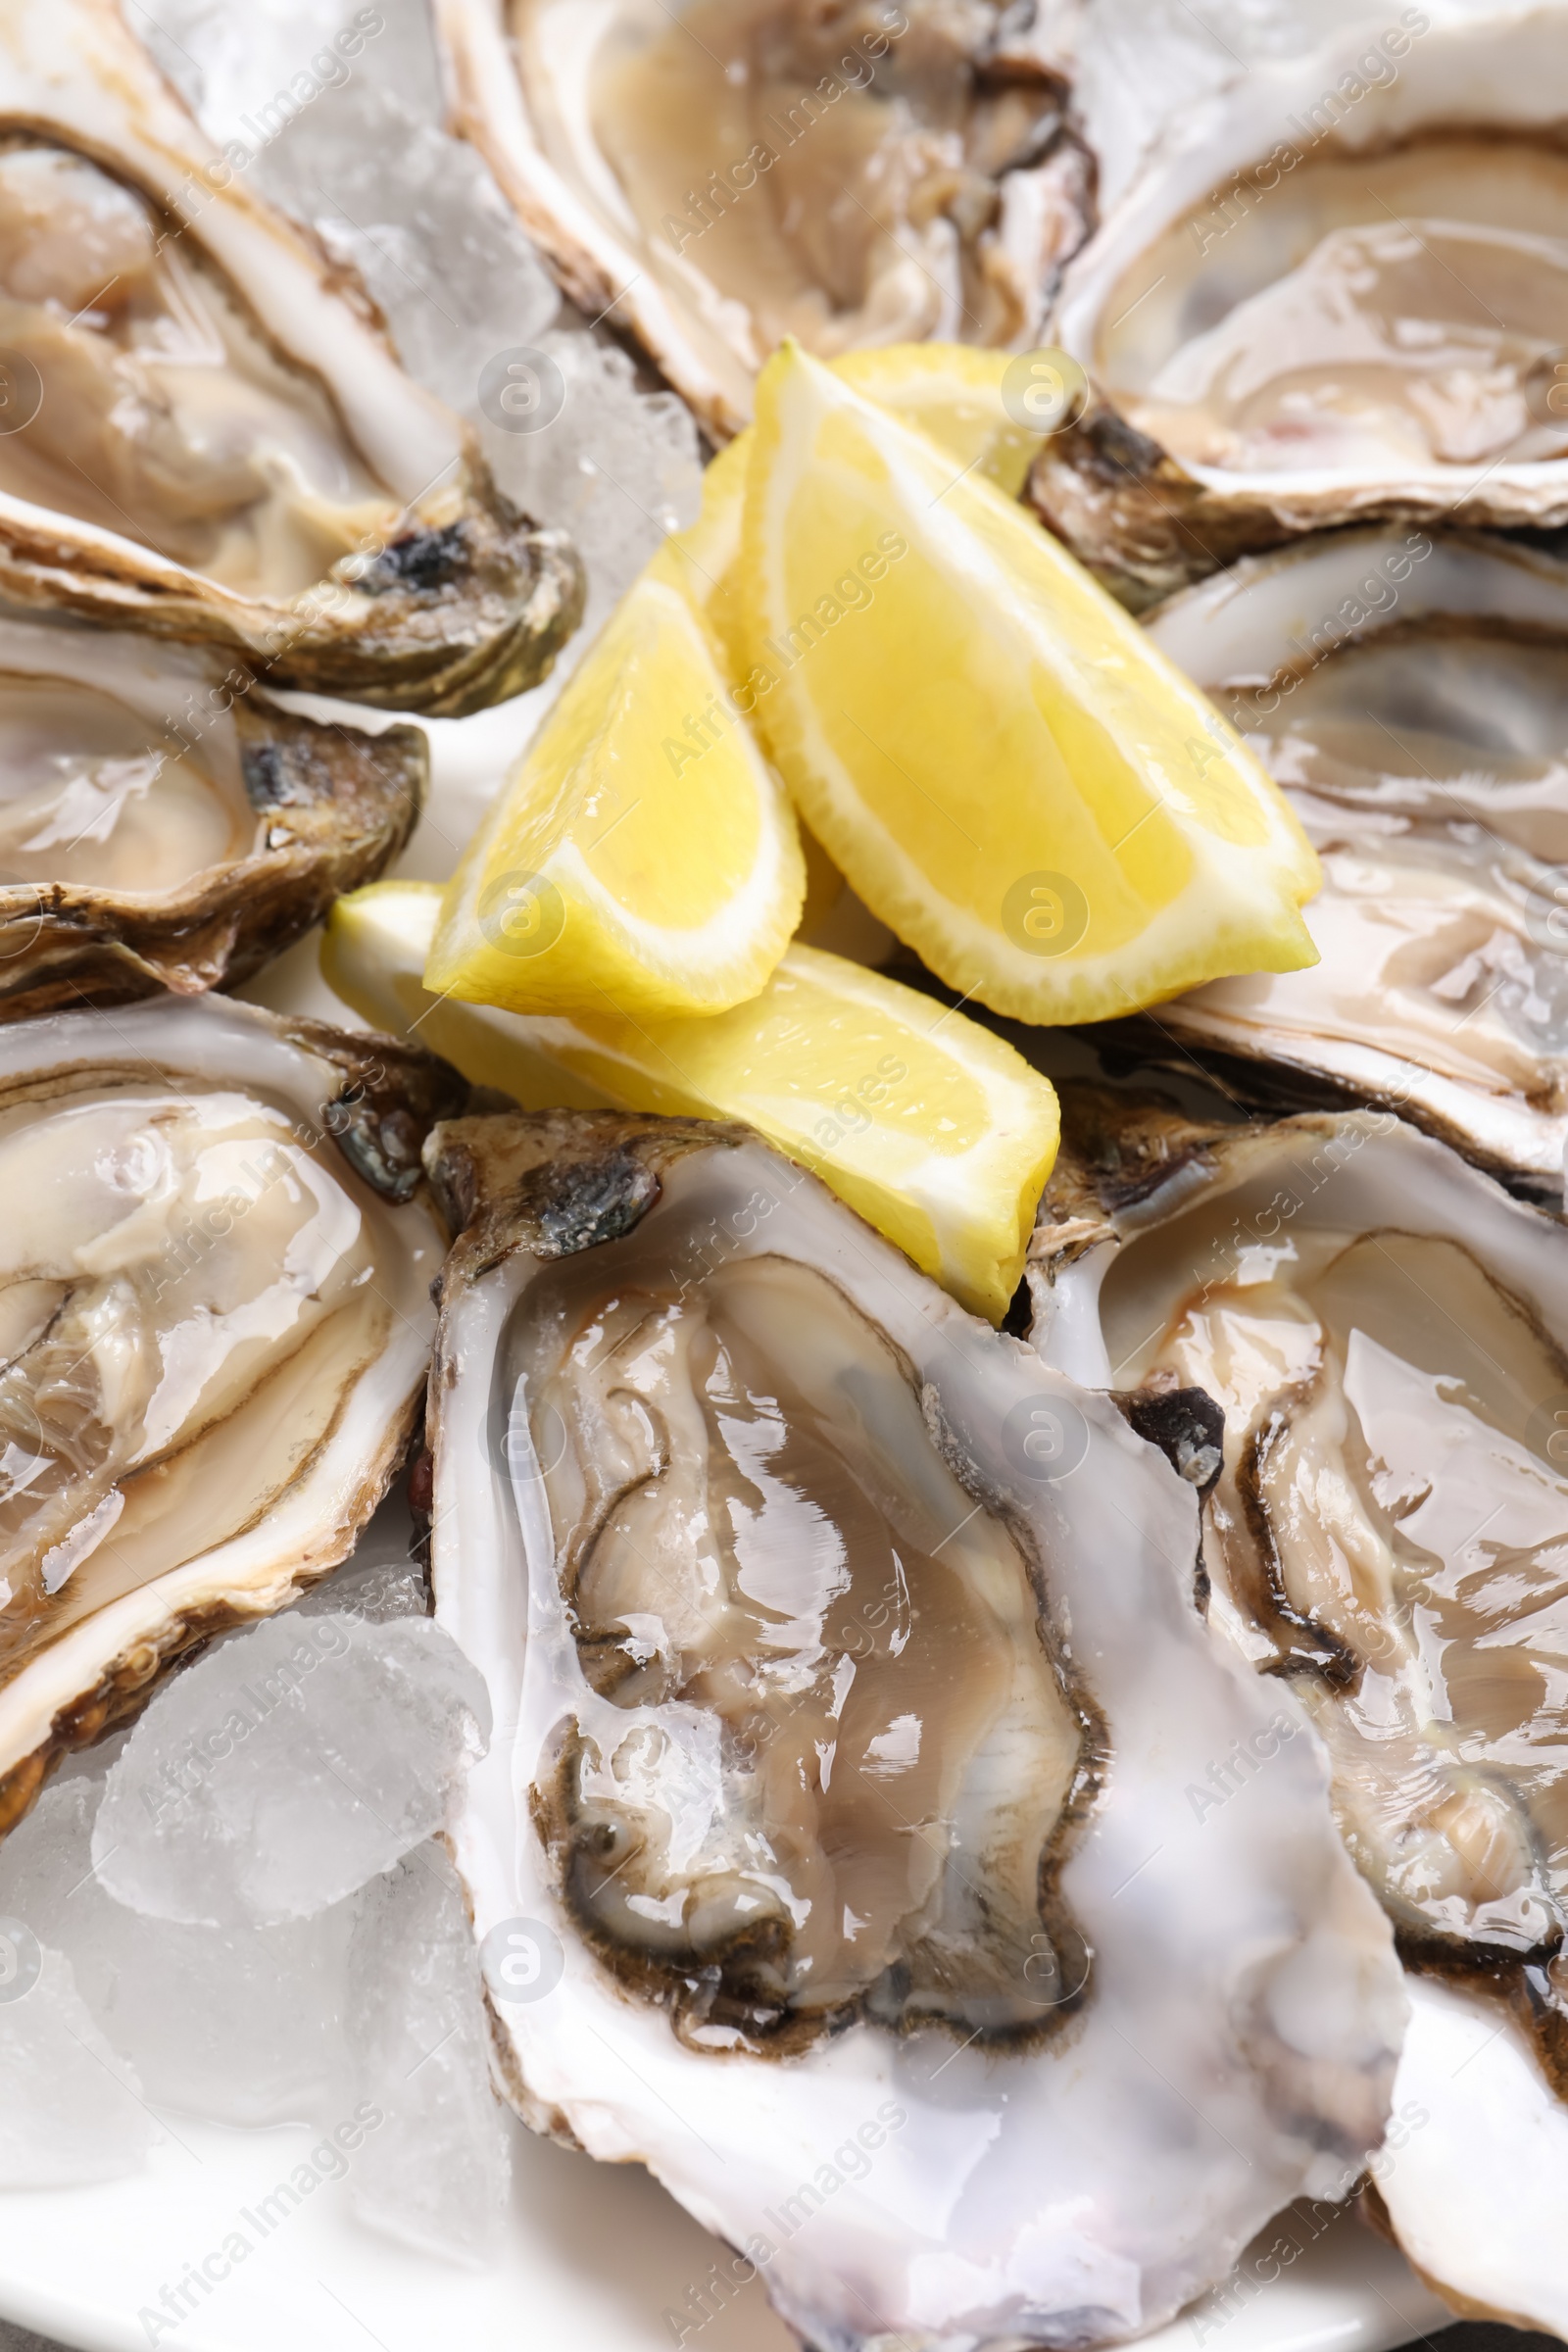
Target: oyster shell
[
  {"x": 852, "y": 174},
  {"x": 1339, "y": 298},
  {"x": 206, "y": 436},
  {"x": 838, "y": 1861},
  {"x": 214, "y": 1328},
  {"x": 1492, "y": 2177},
  {"x": 1387, "y": 1332},
  {"x": 1410, "y": 693},
  {"x": 166, "y": 824}
]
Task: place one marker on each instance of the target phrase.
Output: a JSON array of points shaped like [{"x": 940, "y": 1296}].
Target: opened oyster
[
  {"x": 739, "y": 171},
  {"x": 1387, "y": 1333},
  {"x": 214, "y": 1324},
  {"x": 205, "y": 436},
  {"x": 837, "y": 1855},
  {"x": 163, "y": 826},
  {"x": 1410, "y": 693},
  {"x": 1477, "y": 2202},
  {"x": 1340, "y": 298}
]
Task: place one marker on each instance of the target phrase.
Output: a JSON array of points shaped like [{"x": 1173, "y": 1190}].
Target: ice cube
[
  {"x": 242, "y": 2025},
  {"x": 70, "y": 2109},
  {"x": 617, "y": 467},
  {"x": 366, "y": 160},
  {"x": 433, "y": 238},
  {"x": 373, "y": 1590},
  {"x": 381, "y": 1579},
  {"x": 435, "y": 2171},
  {"x": 285, "y": 1767},
  {"x": 369, "y": 162}
]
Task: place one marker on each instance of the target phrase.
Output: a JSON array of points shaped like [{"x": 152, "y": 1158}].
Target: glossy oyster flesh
[
  {"x": 207, "y": 436},
  {"x": 738, "y": 170},
  {"x": 840, "y": 1812},
  {"x": 214, "y": 1328},
  {"x": 1340, "y": 298},
  {"x": 1410, "y": 693},
  {"x": 164, "y": 823},
  {"x": 1387, "y": 1333}
]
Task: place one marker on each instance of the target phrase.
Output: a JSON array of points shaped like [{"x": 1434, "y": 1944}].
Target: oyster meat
[
  {"x": 738, "y": 170},
  {"x": 205, "y": 434},
  {"x": 836, "y": 1856},
  {"x": 1340, "y": 297},
  {"x": 214, "y": 1328},
  {"x": 1387, "y": 1333},
  {"x": 1409, "y": 692},
  {"x": 166, "y": 824}
]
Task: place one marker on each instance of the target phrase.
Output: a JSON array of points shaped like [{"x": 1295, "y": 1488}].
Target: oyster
[
  {"x": 1387, "y": 1333},
  {"x": 1340, "y": 298},
  {"x": 215, "y": 1327},
  {"x": 740, "y": 171},
  {"x": 204, "y": 434},
  {"x": 1410, "y": 693},
  {"x": 837, "y": 1858},
  {"x": 1477, "y": 2204},
  {"x": 166, "y": 825}
]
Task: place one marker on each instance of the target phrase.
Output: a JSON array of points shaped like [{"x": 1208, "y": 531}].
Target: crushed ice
[
  {"x": 288, "y": 1769},
  {"x": 241, "y": 1910}
]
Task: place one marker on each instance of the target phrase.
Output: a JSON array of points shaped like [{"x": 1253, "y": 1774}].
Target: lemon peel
[
  {"x": 938, "y": 1133},
  {"x": 1008, "y": 773}
]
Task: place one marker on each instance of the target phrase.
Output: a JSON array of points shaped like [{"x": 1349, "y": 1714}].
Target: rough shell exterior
[{"x": 338, "y": 805}]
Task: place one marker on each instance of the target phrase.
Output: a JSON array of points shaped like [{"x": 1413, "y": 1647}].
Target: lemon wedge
[
  {"x": 956, "y": 392},
  {"x": 991, "y": 751},
  {"x": 642, "y": 859},
  {"x": 940, "y": 1134},
  {"x": 953, "y": 392}
]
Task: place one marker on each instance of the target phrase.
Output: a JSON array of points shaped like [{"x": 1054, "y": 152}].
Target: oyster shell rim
[
  {"x": 478, "y": 1186},
  {"x": 1145, "y": 523},
  {"x": 1097, "y": 1199},
  {"x": 346, "y": 801},
  {"x": 1130, "y": 1163},
  {"x": 488, "y": 108},
  {"x": 1276, "y": 1068},
  {"x": 385, "y": 1096},
  {"x": 465, "y": 605}
]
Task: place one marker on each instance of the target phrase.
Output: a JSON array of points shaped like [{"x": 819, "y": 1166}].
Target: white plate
[{"x": 596, "y": 2258}]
